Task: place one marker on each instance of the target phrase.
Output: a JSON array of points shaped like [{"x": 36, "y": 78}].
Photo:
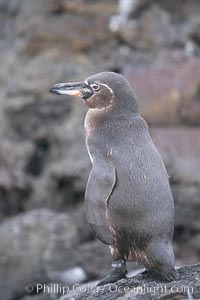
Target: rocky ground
[
  {"x": 44, "y": 164},
  {"x": 187, "y": 286}
]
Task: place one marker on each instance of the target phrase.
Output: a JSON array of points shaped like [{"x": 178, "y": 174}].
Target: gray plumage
[{"x": 128, "y": 200}]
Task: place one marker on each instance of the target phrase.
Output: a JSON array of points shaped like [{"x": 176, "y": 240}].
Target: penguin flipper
[
  {"x": 98, "y": 190},
  {"x": 102, "y": 233}
]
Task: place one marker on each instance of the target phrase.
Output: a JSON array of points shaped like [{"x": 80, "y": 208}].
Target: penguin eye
[{"x": 95, "y": 87}]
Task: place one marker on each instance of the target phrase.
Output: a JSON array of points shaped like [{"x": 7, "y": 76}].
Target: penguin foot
[
  {"x": 110, "y": 279},
  {"x": 118, "y": 271},
  {"x": 144, "y": 272}
]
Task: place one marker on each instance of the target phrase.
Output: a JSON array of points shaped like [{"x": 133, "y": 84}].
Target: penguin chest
[{"x": 95, "y": 144}]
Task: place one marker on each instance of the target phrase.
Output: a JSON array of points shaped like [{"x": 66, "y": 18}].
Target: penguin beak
[{"x": 79, "y": 89}]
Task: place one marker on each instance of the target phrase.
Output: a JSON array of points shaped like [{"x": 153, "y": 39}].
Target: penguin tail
[
  {"x": 161, "y": 262},
  {"x": 161, "y": 274},
  {"x": 169, "y": 275}
]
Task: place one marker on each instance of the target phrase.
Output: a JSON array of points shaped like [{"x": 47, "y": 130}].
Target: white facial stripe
[
  {"x": 111, "y": 91},
  {"x": 86, "y": 82}
]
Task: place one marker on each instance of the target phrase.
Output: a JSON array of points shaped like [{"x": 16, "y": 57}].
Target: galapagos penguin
[{"x": 128, "y": 199}]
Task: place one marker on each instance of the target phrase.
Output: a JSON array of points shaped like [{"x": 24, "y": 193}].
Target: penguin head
[{"x": 100, "y": 91}]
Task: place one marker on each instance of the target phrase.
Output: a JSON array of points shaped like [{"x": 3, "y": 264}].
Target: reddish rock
[
  {"x": 14, "y": 190},
  {"x": 151, "y": 24},
  {"x": 187, "y": 206},
  {"x": 180, "y": 148},
  {"x": 33, "y": 245},
  {"x": 154, "y": 28},
  {"x": 195, "y": 245},
  {"x": 168, "y": 92},
  {"x": 69, "y": 26},
  {"x": 43, "y": 159}
]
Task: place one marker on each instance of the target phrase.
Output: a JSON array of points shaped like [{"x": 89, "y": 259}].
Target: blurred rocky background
[{"x": 44, "y": 166}]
